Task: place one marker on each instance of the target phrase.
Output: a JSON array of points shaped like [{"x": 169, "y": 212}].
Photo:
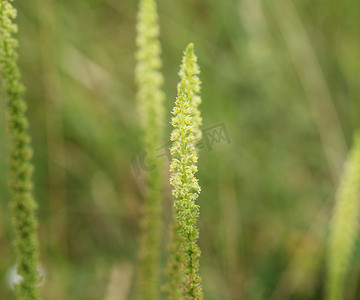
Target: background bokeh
[{"x": 283, "y": 78}]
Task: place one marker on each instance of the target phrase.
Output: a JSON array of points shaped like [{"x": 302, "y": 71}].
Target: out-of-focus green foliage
[{"x": 266, "y": 197}]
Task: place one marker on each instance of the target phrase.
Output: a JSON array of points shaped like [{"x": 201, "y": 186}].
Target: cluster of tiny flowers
[
  {"x": 183, "y": 168},
  {"x": 150, "y": 98},
  {"x": 22, "y": 204},
  {"x": 147, "y": 73},
  {"x": 344, "y": 226},
  {"x": 189, "y": 72},
  {"x": 186, "y": 121}
]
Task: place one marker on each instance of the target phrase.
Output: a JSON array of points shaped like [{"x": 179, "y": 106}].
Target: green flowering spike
[
  {"x": 148, "y": 76},
  {"x": 150, "y": 100},
  {"x": 189, "y": 72},
  {"x": 186, "y": 189},
  {"x": 344, "y": 226},
  {"x": 22, "y": 204}
]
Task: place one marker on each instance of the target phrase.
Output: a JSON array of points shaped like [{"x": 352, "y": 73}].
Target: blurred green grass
[{"x": 266, "y": 197}]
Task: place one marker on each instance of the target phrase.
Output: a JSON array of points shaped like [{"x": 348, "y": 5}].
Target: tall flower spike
[
  {"x": 189, "y": 72},
  {"x": 150, "y": 100},
  {"x": 22, "y": 204},
  {"x": 186, "y": 133},
  {"x": 344, "y": 225}
]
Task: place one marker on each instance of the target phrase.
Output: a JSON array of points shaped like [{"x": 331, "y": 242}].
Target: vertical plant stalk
[
  {"x": 186, "y": 133},
  {"x": 344, "y": 226},
  {"x": 150, "y": 99},
  {"x": 22, "y": 204}
]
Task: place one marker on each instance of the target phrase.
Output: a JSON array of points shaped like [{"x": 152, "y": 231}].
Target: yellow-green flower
[
  {"x": 150, "y": 100},
  {"x": 185, "y": 135}
]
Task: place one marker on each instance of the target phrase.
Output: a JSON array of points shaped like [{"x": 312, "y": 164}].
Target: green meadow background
[{"x": 283, "y": 78}]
